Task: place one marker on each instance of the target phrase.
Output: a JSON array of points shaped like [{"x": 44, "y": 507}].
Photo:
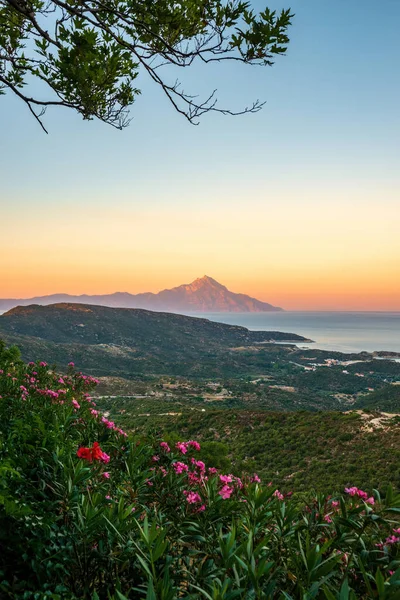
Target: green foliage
[
  {"x": 87, "y": 54},
  {"x": 131, "y": 519},
  {"x": 301, "y": 450}
]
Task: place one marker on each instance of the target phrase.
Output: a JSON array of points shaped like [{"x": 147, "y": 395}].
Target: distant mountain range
[
  {"x": 127, "y": 342},
  {"x": 202, "y": 295}
]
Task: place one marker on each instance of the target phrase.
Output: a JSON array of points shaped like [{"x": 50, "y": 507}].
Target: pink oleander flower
[
  {"x": 42, "y": 364},
  {"x": 194, "y": 444},
  {"x": 94, "y": 412},
  {"x": 149, "y": 483},
  {"x": 182, "y": 447},
  {"x": 392, "y": 539},
  {"x": 106, "y": 475},
  {"x": 107, "y": 423},
  {"x": 397, "y": 531},
  {"x": 75, "y": 403},
  {"x": 201, "y": 508},
  {"x": 255, "y": 479},
  {"x": 155, "y": 458},
  {"x": 164, "y": 471},
  {"x": 328, "y": 519},
  {"x": 199, "y": 464},
  {"x": 335, "y": 503},
  {"x": 212, "y": 470},
  {"x": 105, "y": 458},
  {"x": 61, "y": 380},
  {"x": 71, "y": 364},
  {"x": 179, "y": 467},
  {"x": 193, "y": 478},
  {"x": 165, "y": 447},
  {"x": 226, "y": 478},
  {"x": 355, "y": 492},
  {"x": 278, "y": 495},
  {"x": 226, "y": 492},
  {"x": 239, "y": 483},
  {"x": 192, "y": 497}
]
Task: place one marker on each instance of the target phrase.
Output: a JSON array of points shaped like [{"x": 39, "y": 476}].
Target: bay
[{"x": 340, "y": 331}]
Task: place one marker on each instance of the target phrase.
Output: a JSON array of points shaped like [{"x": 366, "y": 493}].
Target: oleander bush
[{"x": 87, "y": 512}]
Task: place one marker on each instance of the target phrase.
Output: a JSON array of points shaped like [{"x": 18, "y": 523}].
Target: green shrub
[{"x": 87, "y": 512}]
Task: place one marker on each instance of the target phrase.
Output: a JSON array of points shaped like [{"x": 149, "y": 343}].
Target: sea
[{"x": 340, "y": 331}]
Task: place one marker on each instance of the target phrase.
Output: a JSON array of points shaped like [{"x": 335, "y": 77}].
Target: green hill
[{"x": 121, "y": 341}]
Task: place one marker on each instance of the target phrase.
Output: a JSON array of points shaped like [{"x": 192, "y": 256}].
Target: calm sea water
[{"x": 341, "y": 331}]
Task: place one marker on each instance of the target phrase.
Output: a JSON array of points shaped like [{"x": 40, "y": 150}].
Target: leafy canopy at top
[{"x": 87, "y": 53}]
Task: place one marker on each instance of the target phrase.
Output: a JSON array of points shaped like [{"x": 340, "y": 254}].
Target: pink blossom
[
  {"x": 335, "y": 503},
  {"x": 179, "y": 467},
  {"x": 327, "y": 518},
  {"x": 105, "y": 458},
  {"x": 75, "y": 403},
  {"x": 182, "y": 447},
  {"x": 194, "y": 444},
  {"x": 392, "y": 539},
  {"x": 165, "y": 447},
  {"x": 226, "y": 478},
  {"x": 255, "y": 479},
  {"x": 193, "y": 477},
  {"x": 199, "y": 465},
  {"x": 94, "y": 412},
  {"x": 192, "y": 497},
  {"x": 106, "y": 475},
  {"x": 71, "y": 364},
  {"x": 201, "y": 508},
  {"x": 212, "y": 470},
  {"x": 278, "y": 495},
  {"x": 226, "y": 492},
  {"x": 155, "y": 458}
]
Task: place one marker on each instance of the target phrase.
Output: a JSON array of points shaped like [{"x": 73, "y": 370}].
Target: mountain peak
[{"x": 204, "y": 294}]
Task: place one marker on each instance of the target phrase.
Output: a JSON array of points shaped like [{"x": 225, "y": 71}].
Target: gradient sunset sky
[{"x": 298, "y": 205}]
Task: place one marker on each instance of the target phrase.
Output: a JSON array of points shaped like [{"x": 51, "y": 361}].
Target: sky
[{"x": 297, "y": 205}]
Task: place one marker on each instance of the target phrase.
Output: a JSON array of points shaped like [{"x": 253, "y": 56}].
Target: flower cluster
[{"x": 92, "y": 454}]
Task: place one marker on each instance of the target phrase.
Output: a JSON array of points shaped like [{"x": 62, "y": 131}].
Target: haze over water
[{"x": 340, "y": 331}]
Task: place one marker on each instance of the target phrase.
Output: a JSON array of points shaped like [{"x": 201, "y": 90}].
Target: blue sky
[{"x": 327, "y": 138}]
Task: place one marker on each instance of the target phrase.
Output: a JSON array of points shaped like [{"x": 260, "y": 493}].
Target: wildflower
[
  {"x": 182, "y": 447},
  {"x": 93, "y": 453},
  {"x": 226, "y": 478},
  {"x": 165, "y": 447},
  {"x": 392, "y": 539},
  {"x": 226, "y": 492},
  {"x": 194, "y": 445},
  {"x": 179, "y": 467},
  {"x": 192, "y": 497},
  {"x": 278, "y": 495},
  {"x": 199, "y": 464}
]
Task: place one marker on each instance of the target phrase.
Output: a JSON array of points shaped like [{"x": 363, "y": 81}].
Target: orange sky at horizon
[{"x": 305, "y": 259}]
